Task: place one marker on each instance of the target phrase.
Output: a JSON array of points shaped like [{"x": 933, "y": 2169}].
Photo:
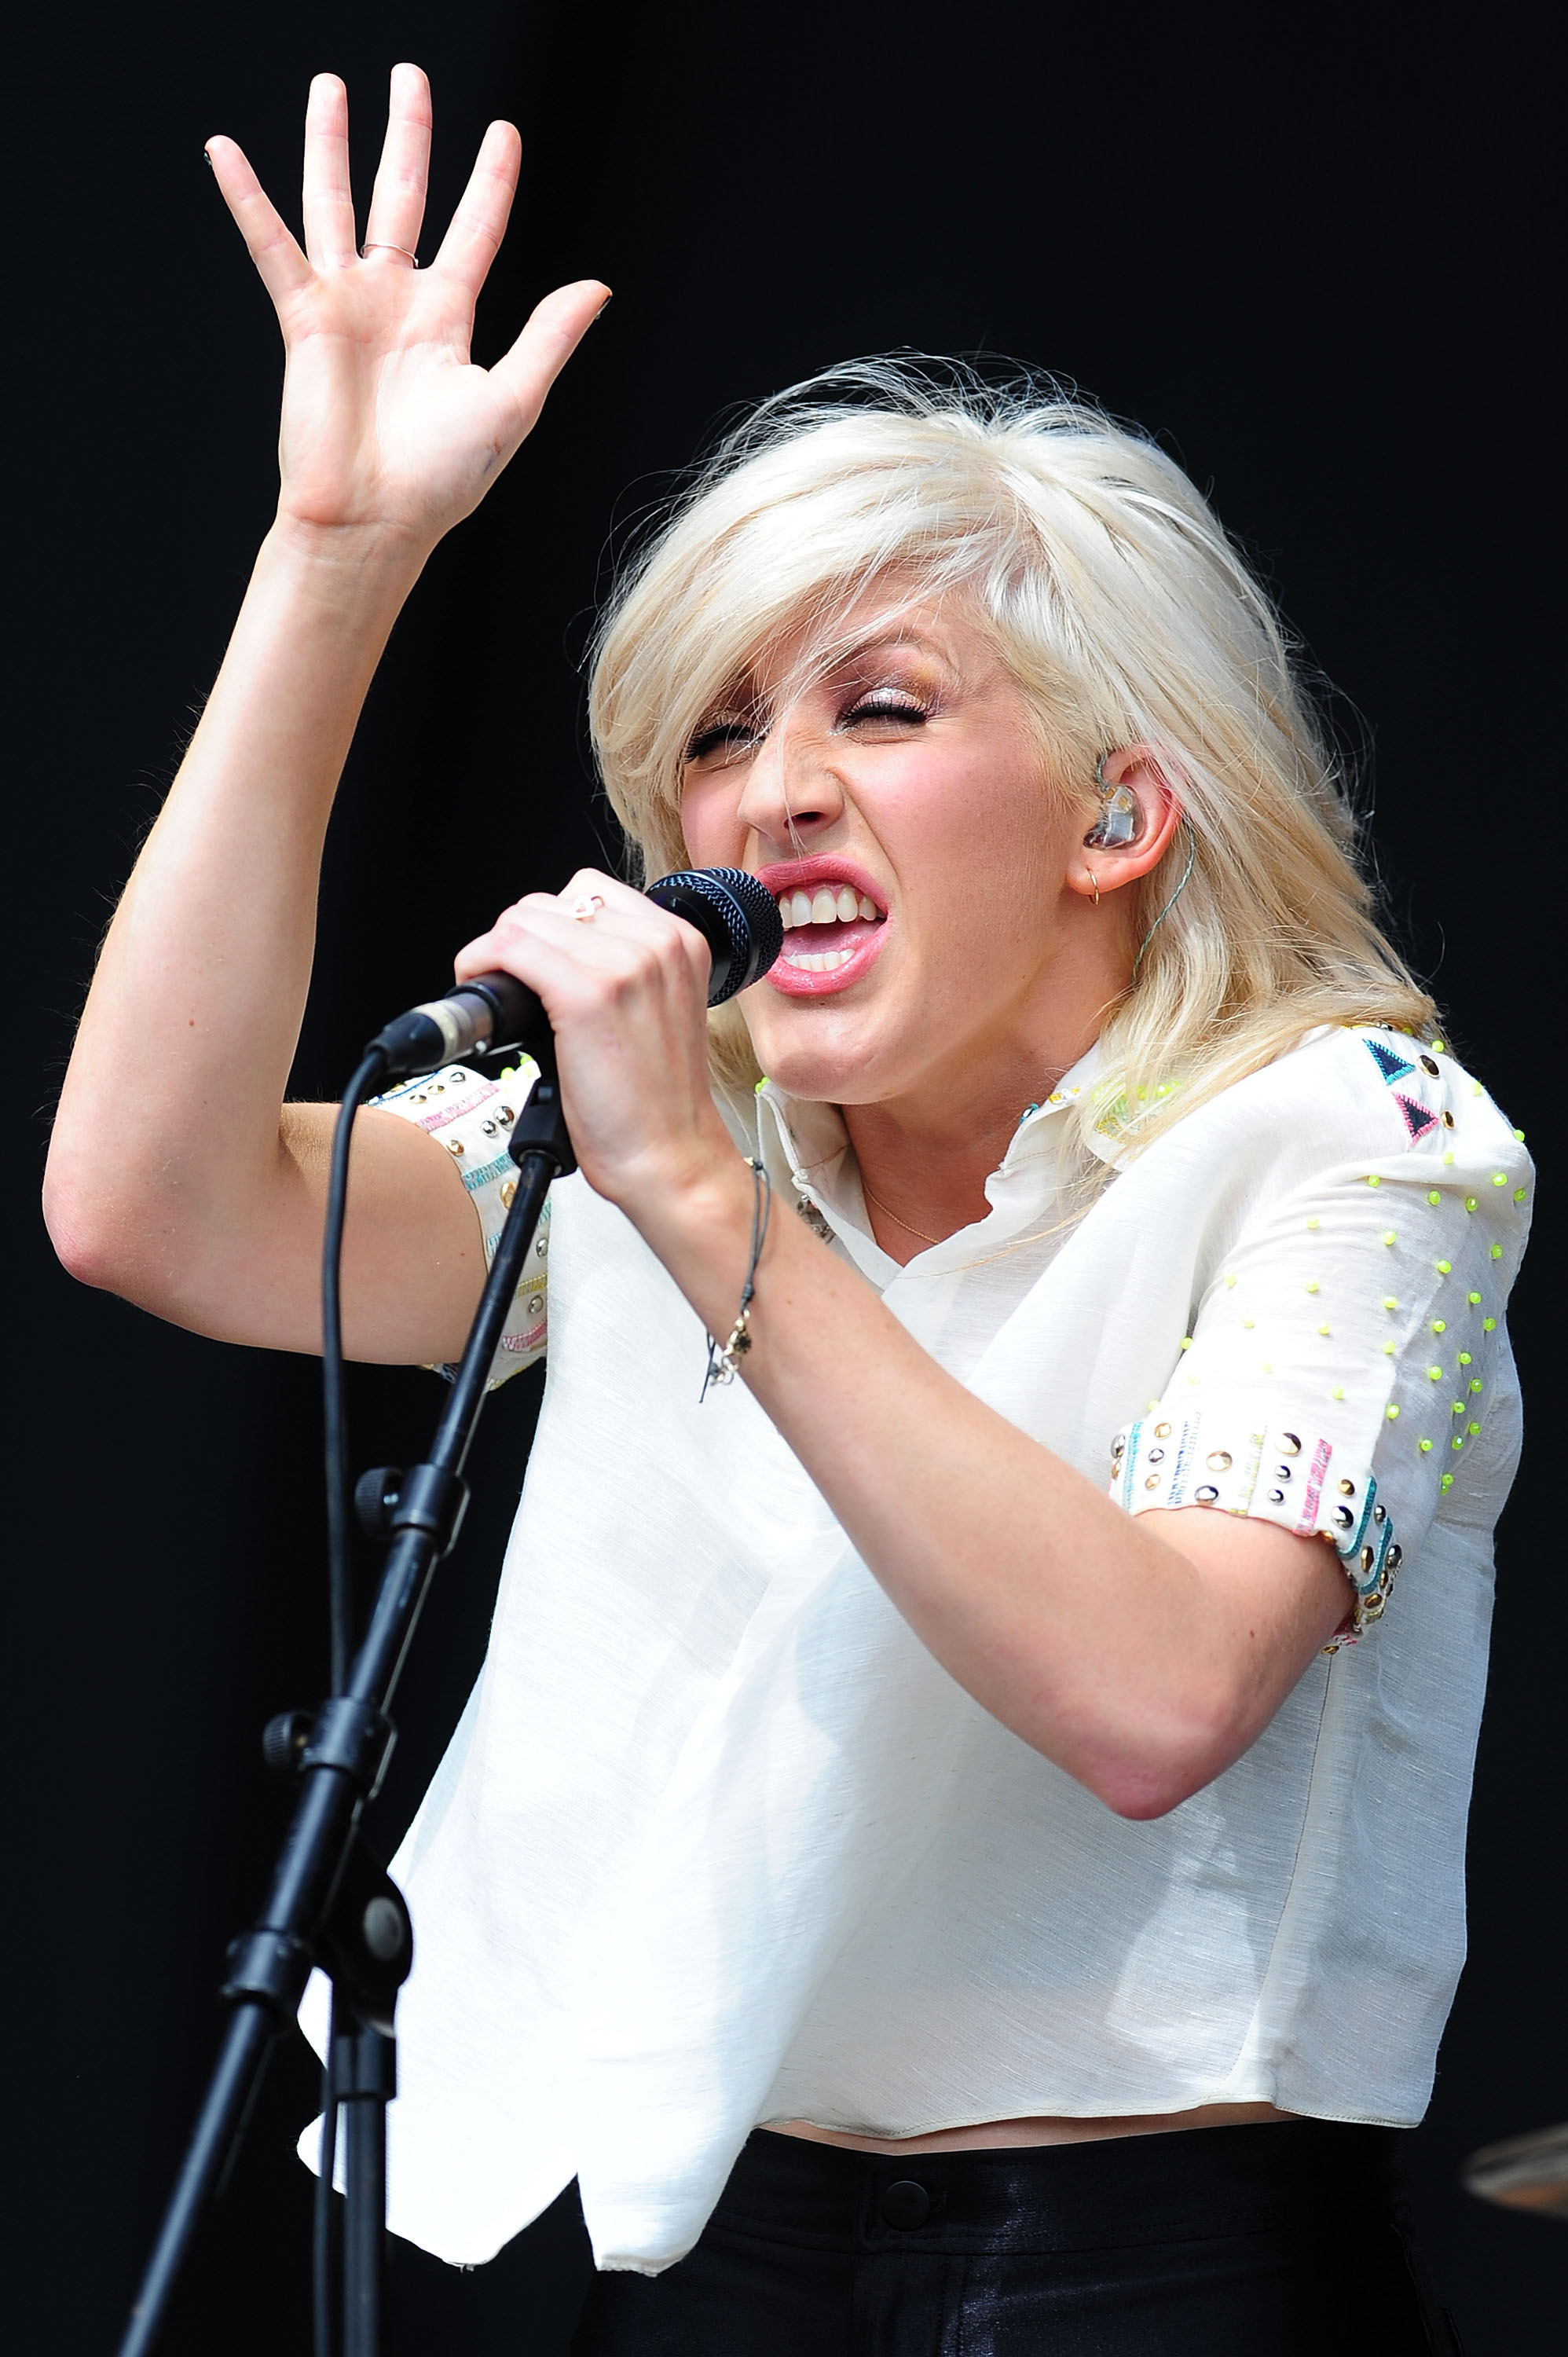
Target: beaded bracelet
[{"x": 724, "y": 1365}]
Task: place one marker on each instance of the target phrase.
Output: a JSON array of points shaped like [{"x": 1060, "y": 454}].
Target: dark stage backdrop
[{"x": 1300, "y": 248}]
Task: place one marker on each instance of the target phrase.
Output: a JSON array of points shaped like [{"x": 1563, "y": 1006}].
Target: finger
[
  {"x": 397, "y": 200},
  {"x": 328, "y": 199},
  {"x": 477, "y": 228},
  {"x": 268, "y": 238},
  {"x": 555, "y": 329}
]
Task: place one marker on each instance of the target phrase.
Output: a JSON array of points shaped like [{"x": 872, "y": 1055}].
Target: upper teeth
[{"x": 826, "y": 905}]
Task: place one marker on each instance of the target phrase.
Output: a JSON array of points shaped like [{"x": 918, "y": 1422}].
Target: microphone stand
[{"x": 329, "y": 1903}]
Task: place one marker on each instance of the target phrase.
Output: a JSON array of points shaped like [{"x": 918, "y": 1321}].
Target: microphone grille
[{"x": 738, "y": 916}]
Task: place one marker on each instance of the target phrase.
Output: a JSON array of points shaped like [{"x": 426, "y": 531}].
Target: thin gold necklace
[{"x": 897, "y": 1222}]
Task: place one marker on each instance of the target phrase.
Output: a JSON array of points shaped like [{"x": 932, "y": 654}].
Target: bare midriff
[{"x": 1008, "y": 2135}]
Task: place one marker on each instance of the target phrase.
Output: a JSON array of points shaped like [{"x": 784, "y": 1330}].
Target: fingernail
[
  {"x": 604, "y": 307},
  {"x": 207, "y": 157}
]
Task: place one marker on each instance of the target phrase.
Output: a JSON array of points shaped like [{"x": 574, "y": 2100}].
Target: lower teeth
[{"x": 818, "y": 961}]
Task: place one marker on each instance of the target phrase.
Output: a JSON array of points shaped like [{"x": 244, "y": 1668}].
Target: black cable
[
  {"x": 338, "y": 1503},
  {"x": 341, "y": 1614},
  {"x": 323, "y": 2274}
]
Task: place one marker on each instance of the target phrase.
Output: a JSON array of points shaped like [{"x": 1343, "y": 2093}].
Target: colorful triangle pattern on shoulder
[
  {"x": 1418, "y": 1118},
  {"x": 1389, "y": 1061}
]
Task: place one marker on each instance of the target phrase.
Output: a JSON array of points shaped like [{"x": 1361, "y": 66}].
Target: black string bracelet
[{"x": 724, "y": 1365}]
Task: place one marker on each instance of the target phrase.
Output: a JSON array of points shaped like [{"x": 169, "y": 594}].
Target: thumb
[{"x": 555, "y": 327}]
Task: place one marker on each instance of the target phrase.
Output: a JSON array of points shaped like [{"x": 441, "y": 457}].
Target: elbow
[
  {"x": 82, "y": 1240},
  {"x": 1143, "y": 1773},
  {"x": 92, "y": 1239}
]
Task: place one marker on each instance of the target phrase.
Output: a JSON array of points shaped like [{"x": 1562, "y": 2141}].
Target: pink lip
[{"x": 801, "y": 875}]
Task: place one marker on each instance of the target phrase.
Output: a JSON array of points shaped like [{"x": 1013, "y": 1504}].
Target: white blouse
[{"x": 718, "y": 1842}]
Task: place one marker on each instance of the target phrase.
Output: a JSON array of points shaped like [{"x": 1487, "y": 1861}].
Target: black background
[{"x": 1304, "y": 249}]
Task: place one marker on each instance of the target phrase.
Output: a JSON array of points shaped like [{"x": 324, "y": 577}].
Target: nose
[{"x": 791, "y": 788}]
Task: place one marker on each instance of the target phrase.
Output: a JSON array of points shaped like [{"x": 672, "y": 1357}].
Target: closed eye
[
  {"x": 884, "y": 704},
  {"x": 727, "y": 737}
]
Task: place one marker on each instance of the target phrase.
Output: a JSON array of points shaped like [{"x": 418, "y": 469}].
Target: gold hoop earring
[{"x": 1095, "y": 881}]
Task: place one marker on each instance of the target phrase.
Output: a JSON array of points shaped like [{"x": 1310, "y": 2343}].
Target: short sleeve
[
  {"x": 1343, "y": 1361},
  {"x": 472, "y": 1118}
]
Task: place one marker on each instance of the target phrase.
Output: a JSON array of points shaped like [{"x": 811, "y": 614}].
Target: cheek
[{"x": 713, "y": 834}]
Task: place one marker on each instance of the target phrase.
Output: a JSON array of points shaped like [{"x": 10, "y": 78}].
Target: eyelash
[{"x": 881, "y": 703}]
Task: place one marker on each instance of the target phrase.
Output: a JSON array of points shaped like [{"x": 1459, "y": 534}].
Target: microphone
[{"x": 736, "y": 916}]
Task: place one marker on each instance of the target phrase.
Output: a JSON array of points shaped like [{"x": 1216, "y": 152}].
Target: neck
[{"x": 925, "y": 1157}]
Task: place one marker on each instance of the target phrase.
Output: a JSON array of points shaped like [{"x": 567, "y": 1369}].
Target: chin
[{"x": 824, "y": 1054}]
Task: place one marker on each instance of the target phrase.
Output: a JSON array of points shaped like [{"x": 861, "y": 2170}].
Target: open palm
[{"x": 387, "y": 423}]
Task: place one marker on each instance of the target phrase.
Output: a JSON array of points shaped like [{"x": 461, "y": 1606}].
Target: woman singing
[{"x": 957, "y": 1845}]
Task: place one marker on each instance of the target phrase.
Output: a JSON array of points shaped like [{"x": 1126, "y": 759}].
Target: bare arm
[{"x": 176, "y": 1176}]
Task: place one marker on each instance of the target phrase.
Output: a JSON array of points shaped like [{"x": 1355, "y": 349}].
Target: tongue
[{"x": 811, "y": 940}]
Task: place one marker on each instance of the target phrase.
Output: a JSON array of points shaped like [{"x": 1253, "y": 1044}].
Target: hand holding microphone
[{"x": 736, "y": 916}]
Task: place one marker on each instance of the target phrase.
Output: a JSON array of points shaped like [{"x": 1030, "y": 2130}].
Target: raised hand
[{"x": 388, "y": 426}]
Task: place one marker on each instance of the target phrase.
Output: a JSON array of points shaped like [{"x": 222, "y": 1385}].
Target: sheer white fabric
[{"x": 718, "y": 1842}]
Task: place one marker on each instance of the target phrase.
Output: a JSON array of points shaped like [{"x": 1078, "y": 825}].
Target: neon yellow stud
[
  {"x": 1469, "y": 1203},
  {"x": 1457, "y": 1441},
  {"x": 1446, "y": 1482},
  {"x": 1497, "y": 1252},
  {"x": 1389, "y": 1236},
  {"x": 1444, "y": 1267},
  {"x": 1448, "y": 1158},
  {"x": 1434, "y": 1374},
  {"x": 1186, "y": 1342},
  {"x": 1323, "y": 1329},
  {"x": 1438, "y": 1049},
  {"x": 1388, "y": 1349},
  {"x": 1229, "y": 1281},
  {"x": 1424, "y": 1446},
  {"x": 1312, "y": 1284},
  {"x": 1520, "y": 1134},
  {"x": 1312, "y": 1222},
  {"x": 1337, "y": 1393},
  {"x": 1473, "y": 1299},
  {"x": 1472, "y": 1430},
  {"x": 1463, "y": 1358},
  {"x": 1248, "y": 1324},
  {"x": 1440, "y": 1325},
  {"x": 1432, "y": 1196},
  {"x": 1519, "y": 1194},
  {"x": 1374, "y": 1181},
  {"x": 1477, "y": 1384},
  {"x": 1389, "y": 1301},
  {"x": 1392, "y": 1414},
  {"x": 1490, "y": 1324},
  {"x": 1499, "y": 1178}
]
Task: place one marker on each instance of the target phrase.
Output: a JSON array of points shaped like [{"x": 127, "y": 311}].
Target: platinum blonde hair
[{"x": 1125, "y": 616}]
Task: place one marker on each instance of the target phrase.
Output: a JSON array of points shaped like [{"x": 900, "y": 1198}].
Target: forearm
[
  {"x": 1139, "y": 1666},
  {"x": 184, "y": 1051}
]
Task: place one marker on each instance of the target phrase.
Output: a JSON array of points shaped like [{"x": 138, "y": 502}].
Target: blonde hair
[{"x": 1125, "y": 616}]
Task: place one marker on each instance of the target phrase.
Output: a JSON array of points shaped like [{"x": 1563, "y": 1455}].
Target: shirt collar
[{"x": 805, "y": 1147}]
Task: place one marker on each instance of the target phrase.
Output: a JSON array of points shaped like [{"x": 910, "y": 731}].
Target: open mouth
[{"x": 833, "y": 927}]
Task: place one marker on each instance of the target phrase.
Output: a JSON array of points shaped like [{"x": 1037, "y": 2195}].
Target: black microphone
[{"x": 736, "y": 916}]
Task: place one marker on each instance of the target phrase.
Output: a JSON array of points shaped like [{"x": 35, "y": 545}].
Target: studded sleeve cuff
[
  {"x": 1343, "y": 1347},
  {"x": 1296, "y": 1477},
  {"x": 472, "y": 1118}
]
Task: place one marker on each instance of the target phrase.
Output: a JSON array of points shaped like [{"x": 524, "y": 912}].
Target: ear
[{"x": 1098, "y": 868}]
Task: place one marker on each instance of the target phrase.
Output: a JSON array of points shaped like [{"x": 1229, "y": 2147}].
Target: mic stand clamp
[{"x": 329, "y": 1903}]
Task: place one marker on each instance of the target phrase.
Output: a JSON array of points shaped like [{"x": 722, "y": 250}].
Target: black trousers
[{"x": 1282, "y": 2240}]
